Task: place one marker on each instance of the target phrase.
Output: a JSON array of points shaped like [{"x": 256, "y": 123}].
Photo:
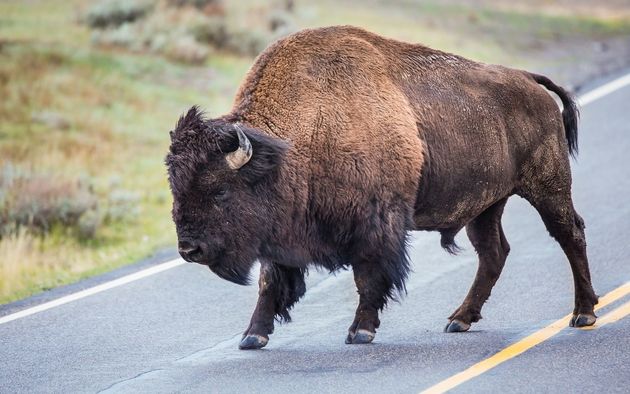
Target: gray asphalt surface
[{"x": 178, "y": 331}]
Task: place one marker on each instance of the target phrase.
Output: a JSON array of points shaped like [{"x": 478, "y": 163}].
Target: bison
[{"x": 340, "y": 142}]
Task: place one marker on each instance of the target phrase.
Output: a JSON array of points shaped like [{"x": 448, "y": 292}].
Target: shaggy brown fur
[{"x": 357, "y": 140}]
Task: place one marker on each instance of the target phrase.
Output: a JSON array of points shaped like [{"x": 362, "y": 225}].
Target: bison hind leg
[
  {"x": 567, "y": 228},
  {"x": 487, "y": 237},
  {"x": 548, "y": 188}
]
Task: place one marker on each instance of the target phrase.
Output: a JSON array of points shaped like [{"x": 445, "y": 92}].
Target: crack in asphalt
[{"x": 141, "y": 375}]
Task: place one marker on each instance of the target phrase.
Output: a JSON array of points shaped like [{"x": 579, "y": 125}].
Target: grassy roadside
[
  {"x": 111, "y": 111},
  {"x": 118, "y": 118},
  {"x": 116, "y": 114}
]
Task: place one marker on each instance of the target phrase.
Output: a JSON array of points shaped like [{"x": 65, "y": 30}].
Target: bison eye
[{"x": 220, "y": 195}]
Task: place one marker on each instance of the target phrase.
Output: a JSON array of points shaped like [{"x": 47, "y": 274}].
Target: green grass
[{"x": 120, "y": 107}]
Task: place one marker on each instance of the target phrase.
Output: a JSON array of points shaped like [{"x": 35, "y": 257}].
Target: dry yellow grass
[
  {"x": 30, "y": 264},
  {"x": 13, "y": 250},
  {"x": 26, "y": 263}
]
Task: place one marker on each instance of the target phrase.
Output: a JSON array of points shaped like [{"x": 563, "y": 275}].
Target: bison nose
[{"x": 190, "y": 251}]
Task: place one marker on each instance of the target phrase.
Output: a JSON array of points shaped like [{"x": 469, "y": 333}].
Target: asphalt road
[{"x": 178, "y": 330}]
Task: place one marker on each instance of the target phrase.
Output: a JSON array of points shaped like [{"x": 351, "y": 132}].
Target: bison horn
[{"x": 242, "y": 154}]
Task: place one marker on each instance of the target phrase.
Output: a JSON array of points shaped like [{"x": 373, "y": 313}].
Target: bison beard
[
  {"x": 236, "y": 273},
  {"x": 340, "y": 142}
]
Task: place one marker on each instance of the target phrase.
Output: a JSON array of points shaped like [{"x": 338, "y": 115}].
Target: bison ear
[{"x": 268, "y": 153}]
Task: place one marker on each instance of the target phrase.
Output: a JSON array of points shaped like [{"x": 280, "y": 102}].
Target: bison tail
[{"x": 570, "y": 112}]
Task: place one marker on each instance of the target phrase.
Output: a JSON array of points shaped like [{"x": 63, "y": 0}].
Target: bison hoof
[
  {"x": 582, "y": 320},
  {"x": 253, "y": 342},
  {"x": 360, "y": 337},
  {"x": 456, "y": 326}
]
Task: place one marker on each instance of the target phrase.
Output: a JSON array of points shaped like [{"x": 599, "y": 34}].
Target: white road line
[
  {"x": 604, "y": 90},
  {"x": 583, "y": 100},
  {"x": 93, "y": 290}
]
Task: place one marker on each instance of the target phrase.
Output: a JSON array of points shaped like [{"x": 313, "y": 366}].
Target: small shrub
[
  {"x": 186, "y": 49},
  {"x": 108, "y": 13},
  {"x": 165, "y": 32},
  {"x": 184, "y": 30},
  {"x": 214, "y": 32},
  {"x": 125, "y": 35},
  {"x": 247, "y": 42},
  {"x": 206, "y": 5},
  {"x": 40, "y": 201},
  {"x": 218, "y": 33},
  {"x": 122, "y": 205},
  {"x": 88, "y": 224},
  {"x": 280, "y": 20}
]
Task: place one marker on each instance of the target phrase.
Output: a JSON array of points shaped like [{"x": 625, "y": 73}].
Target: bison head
[{"x": 222, "y": 176}]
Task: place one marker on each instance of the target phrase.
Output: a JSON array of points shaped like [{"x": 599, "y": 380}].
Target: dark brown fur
[{"x": 357, "y": 140}]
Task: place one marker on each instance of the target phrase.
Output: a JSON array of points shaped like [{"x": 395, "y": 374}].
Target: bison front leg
[
  {"x": 372, "y": 291},
  {"x": 376, "y": 281},
  {"x": 279, "y": 287}
]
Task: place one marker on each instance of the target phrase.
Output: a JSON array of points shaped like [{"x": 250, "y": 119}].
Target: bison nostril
[{"x": 190, "y": 251}]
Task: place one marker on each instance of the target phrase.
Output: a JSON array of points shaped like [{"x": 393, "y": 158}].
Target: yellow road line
[
  {"x": 521, "y": 346},
  {"x": 611, "y": 317}
]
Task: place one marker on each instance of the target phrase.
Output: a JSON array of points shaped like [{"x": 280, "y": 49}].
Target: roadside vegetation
[{"x": 90, "y": 90}]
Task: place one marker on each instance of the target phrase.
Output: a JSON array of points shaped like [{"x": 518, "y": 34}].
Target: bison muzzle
[{"x": 340, "y": 142}]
